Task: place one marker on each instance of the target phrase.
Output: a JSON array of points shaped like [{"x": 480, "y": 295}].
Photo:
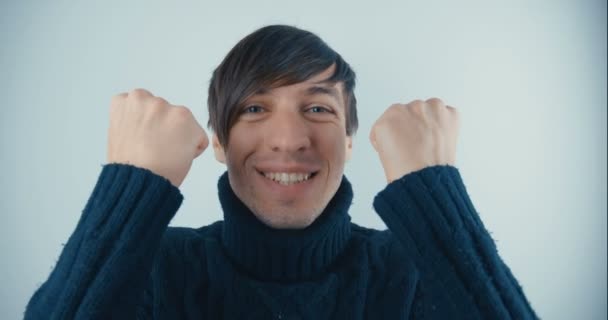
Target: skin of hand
[
  {"x": 410, "y": 137},
  {"x": 148, "y": 132}
]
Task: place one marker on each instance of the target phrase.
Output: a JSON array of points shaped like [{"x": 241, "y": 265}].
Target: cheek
[
  {"x": 332, "y": 145},
  {"x": 239, "y": 146},
  {"x": 235, "y": 150}
]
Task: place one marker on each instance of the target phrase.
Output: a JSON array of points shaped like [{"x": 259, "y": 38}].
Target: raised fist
[
  {"x": 410, "y": 137},
  {"x": 148, "y": 132}
]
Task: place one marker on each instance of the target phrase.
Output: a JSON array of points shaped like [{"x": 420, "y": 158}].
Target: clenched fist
[
  {"x": 410, "y": 137},
  {"x": 148, "y": 132}
]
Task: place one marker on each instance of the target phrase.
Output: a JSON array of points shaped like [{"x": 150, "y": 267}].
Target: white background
[{"x": 528, "y": 77}]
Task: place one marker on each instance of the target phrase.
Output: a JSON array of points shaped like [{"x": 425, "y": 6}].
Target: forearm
[
  {"x": 430, "y": 213},
  {"x": 103, "y": 267}
]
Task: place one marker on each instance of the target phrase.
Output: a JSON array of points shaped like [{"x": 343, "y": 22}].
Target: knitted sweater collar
[{"x": 284, "y": 255}]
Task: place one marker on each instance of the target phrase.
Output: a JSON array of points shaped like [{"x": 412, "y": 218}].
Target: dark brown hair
[{"x": 270, "y": 57}]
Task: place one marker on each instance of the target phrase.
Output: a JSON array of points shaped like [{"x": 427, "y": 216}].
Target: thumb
[
  {"x": 203, "y": 143},
  {"x": 200, "y": 148},
  {"x": 372, "y": 138}
]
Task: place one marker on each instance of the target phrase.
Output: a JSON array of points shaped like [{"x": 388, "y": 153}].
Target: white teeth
[{"x": 285, "y": 178}]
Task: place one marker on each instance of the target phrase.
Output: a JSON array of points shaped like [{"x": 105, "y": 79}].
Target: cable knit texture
[{"x": 435, "y": 261}]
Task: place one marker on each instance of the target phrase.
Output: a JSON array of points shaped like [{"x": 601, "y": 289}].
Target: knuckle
[
  {"x": 451, "y": 111},
  {"x": 139, "y": 93},
  {"x": 395, "y": 108},
  {"x": 182, "y": 111},
  {"x": 416, "y": 106},
  {"x": 434, "y": 101},
  {"x": 382, "y": 125},
  {"x": 416, "y": 103},
  {"x": 159, "y": 102},
  {"x": 117, "y": 102},
  {"x": 118, "y": 98}
]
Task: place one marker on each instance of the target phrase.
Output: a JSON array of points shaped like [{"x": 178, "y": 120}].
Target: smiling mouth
[{"x": 288, "y": 178}]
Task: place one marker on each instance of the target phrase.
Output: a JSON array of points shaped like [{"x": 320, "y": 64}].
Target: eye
[
  {"x": 253, "y": 109},
  {"x": 319, "y": 109}
]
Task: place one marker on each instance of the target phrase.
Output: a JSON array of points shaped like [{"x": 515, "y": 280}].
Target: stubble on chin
[{"x": 283, "y": 217}]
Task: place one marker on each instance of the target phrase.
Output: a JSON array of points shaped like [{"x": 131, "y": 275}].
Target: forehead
[
  {"x": 329, "y": 89},
  {"x": 319, "y": 84}
]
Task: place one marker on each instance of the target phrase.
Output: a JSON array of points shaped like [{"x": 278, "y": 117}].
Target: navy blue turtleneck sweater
[{"x": 435, "y": 261}]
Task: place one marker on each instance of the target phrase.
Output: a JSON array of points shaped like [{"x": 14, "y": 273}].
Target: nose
[{"x": 287, "y": 132}]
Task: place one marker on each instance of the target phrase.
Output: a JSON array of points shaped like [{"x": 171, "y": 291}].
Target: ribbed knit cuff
[
  {"x": 431, "y": 214},
  {"x": 432, "y": 203},
  {"x": 134, "y": 198},
  {"x": 110, "y": 254}
]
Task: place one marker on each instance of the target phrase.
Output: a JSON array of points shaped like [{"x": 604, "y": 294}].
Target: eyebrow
[
  {"x": 323, "y": 90},
  {"x": 317, "y": 89}
]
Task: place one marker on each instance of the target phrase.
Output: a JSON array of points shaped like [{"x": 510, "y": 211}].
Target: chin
[{"x": 284, "y": 220}]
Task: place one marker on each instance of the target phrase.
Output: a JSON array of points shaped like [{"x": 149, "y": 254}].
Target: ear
[
  {"x": 218, "y": 150},
  {"x": 349, "y": 147}
]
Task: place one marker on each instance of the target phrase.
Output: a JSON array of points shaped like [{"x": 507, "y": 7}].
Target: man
[{"x": 283, "y": 112}]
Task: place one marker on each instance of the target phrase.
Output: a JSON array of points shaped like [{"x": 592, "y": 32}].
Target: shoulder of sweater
[
  {"x": 182, "y": 250},
  {"x": 181, "y": 240},
  {"x": 384, "y": 252},
  {"x": 376, "y": 240},
  {"x": 370, "y": 234},
  {"x": 192, "y": 233}
]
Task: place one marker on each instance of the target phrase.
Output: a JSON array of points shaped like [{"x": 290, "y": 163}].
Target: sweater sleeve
[
  {"x": 462, "y": 275},
  {"x": 105, "y": 265}
]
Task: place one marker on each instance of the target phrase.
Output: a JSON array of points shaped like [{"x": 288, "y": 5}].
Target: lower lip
[{"x": 290, "y": 190}]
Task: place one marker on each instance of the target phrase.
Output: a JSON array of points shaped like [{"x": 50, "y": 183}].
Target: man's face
[{"x": 286, "y": 152}]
